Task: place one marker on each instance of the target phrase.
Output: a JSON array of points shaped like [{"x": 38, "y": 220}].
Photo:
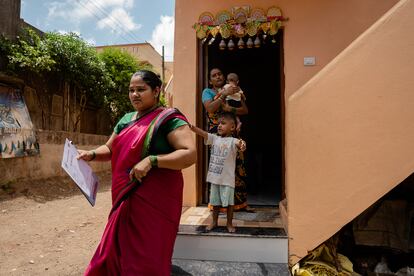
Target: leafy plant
[
  {"x": 120, "y": 66},
  {"x": 78, "y": 63},
  {"x": 30, "y": 53},
  {"x": 102, "y": 79}
]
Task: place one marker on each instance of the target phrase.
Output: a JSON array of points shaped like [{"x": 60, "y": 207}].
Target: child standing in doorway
[{"x": 221, "y": 171}]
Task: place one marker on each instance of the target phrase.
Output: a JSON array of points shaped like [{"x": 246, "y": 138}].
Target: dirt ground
[{"x": 48, "y": 227}]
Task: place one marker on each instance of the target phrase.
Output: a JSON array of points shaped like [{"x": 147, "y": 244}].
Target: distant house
[{"x": 145, "y": 53}]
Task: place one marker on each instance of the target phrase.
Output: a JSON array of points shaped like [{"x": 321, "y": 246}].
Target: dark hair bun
[{"x": 149, "y": 77}]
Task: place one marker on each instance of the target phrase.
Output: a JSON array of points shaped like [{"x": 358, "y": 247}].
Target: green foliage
[
  {"x": 78, "y": 62},
  {"x": 163, "y": 101},
  {"x": 104, "y": 78},
  {"x": 121, "y": 66},
  {"x": 5, "y": 45},
  {"x": 30, "y": 53},
  {"x": 65, "y": 56}
]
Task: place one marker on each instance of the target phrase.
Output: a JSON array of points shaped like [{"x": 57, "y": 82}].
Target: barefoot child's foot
[
  {"x": 231, "y": 228},
  {"x": 211, "y": 226}
]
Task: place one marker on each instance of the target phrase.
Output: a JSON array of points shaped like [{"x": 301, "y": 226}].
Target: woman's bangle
[
  {"x": 154, "y": 161},
  {"x": 93, "y": 155}
]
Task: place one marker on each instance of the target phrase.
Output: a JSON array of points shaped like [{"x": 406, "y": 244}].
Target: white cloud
[
  {"x": 110, "y": 14},
  {"x": 163, "y": 34},
  {"x": 117, "y": 3},
  {"x": 56, "y": 9},
  {"x": 118, "y": 21},
  {"x": 74, "y": 11}
]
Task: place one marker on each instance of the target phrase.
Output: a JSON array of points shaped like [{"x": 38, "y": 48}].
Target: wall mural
[
  {"x": 251, "y": 27},
  {"x": 17, "y": 136}
]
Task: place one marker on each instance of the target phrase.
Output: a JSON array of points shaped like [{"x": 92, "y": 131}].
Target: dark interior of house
[
  {"x": 381, "y": 239},
  {"x": 259, "y": 70}
]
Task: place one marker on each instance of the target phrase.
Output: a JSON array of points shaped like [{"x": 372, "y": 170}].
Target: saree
[{"x": 143, "y": 223}]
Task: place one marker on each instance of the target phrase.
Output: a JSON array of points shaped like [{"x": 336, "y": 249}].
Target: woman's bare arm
[
  {"x": 242, "y": 110},
  {"x": 213, "y": 105},
  {"x": 185, "y": 154},
  {"x": 101, "y": 153}
]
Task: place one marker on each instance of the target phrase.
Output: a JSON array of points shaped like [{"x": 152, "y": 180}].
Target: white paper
[{"x": 80, "y": 172}]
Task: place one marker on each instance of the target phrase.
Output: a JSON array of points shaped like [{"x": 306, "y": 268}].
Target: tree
[
  {"x": 65, "y": 57},
  {"x": 120, "y": 65},
  {"x": 101, "y": 79},
  {"x": 78, "y": 63},
  {"x": 29, "y": 53}
]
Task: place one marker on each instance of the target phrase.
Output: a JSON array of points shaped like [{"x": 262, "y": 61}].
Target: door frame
[{"x": 201, "y": 83}]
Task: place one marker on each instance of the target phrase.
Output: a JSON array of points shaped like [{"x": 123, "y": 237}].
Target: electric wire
[
  {"x": 115, "y": 20},
  {"x": 99, "y": 18},
  {"x": 131, "y": 39}
]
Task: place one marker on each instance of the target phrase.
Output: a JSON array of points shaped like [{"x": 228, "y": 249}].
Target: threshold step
[
  {"x": 248, "y": 244},
  {"x": 255, "y": 232},
  {"x": 217, "y": 268},
  {"x": 266, "y": 217}
]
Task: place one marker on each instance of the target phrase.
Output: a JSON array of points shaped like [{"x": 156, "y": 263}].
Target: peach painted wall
[
  {"x": 350, "y": 131},
  {"x": 317, "y": 28},
  {"x": 48, "y": 162}
]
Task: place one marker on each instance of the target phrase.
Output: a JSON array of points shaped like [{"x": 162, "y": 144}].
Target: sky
[{"x": 107, "y": 22}]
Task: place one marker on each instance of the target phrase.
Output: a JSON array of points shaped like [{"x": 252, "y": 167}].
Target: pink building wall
[
  {"x": 316, "y": 28},
  {"x": 348, "y": 125},
  {"x": 350, "y": 132}
]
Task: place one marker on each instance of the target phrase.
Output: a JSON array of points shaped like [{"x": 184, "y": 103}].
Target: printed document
[{"x": 80, "y": 172}]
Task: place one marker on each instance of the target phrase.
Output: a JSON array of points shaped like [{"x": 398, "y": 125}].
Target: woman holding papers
[{"x": 148, "y": 149}]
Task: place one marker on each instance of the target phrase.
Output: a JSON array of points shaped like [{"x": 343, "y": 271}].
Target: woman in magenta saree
[{"x": 148, "y": 149}]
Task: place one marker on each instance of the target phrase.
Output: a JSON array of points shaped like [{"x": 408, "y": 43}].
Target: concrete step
[
  {"x": 204, "y": 268},
  {"x": 248, "y": 244}
]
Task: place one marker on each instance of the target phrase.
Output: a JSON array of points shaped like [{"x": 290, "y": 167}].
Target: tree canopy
[
  {"x": 120, "y": 66},
  {"x": 103, "y": 78}
]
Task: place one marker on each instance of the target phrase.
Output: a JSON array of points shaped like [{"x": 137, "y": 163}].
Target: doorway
[{"x": 261, "y": 77}]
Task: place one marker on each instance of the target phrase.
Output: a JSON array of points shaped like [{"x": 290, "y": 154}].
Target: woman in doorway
[
  {"x": 148, "y": 149},
  {"x": 214, "y": 101}
]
